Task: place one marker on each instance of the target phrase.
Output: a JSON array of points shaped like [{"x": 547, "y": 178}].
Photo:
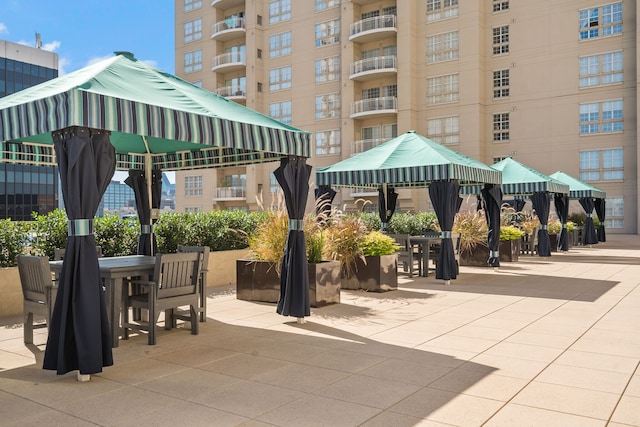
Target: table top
[{"x": 118, "y": 264}]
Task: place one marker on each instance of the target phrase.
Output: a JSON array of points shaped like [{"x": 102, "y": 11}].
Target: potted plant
[
  {"x": 510, "y": 237},
  {"x": 258, "y": 277},
  {"x": 472, "y": 227}
]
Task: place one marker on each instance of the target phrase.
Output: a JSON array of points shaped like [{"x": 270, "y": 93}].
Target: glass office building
[{"x": 24, "y": 188}]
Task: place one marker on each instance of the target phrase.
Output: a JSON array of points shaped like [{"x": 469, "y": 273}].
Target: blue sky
[{"x": 82, "y": 32}]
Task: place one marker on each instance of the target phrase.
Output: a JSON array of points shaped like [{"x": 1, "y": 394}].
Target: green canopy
[
  {"x": 577, "y": 188},
  {"x": 522, "y": 180},
  {"x": 409, "y": 160},
  {"x": 148, "y": 112}
]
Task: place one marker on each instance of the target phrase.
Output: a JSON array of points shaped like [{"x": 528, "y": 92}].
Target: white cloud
[
  {"x": 3, "y": 29},
  {"x": 96, "y": 59},
  {"x": 62, "y": 64},
  {"x": 51, "y": 46}
]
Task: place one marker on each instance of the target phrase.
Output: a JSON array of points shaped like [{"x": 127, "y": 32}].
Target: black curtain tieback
[
  {"x": 146, "y": 229},
  {"x": 494, "y": 254},
  {"x": 445, "y": 234},
  {"x": 544, "y": 227},
  {"x": 296, "y": 225}
]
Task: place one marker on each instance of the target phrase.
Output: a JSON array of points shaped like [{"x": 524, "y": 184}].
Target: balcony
[
  {"x": 373, "y": 29},
  {"x": 228, "y": 29},
  {"x": 384, "y": 106},
  {"x": 235, "y": 93},
  {"x": 363, "y": 192},
  {"x": 230, "y": 194},
  {"x": 374, "y": 68},
  {"x": 361, "y": 2},
  {"x": 366, "y": 144},
  {"x": 226, "y": 4},
  {"x": 228, "y": 62}
]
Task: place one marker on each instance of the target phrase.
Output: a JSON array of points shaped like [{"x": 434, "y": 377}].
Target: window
[
  {"x": 192, "y": 209},
  {"x": 193, "y": 185},
  {"x": 192, "y": 30},
  {"x": 326, "y": 4},
  {"x": 600, "y": 21},
  {"x": 328, "y": 33},
  {"x": 602, "y": 165},
  {"x": 614, "y": 212},
  {"x": 501, "y": 40},
  {"x": 442, "y": 89},
  {"x": 280, "y": 78},
  {"x": 238, "y": 180},
  {"x": 444, "y": 130},
  {"x": 280, "y": 44},
  {"x": 281, "y": 111},
  {"x": 500, "y": 127},
  {"x": 379, "y": 132},
  {"x": 328, "y": 106},
  {"x": 237, "y": 86},
  {"x": 442, "y": 47},
  {"x": 328, "y": 142},
  {"x": 190, "y": 5},
  {"x": 601, "y": 117},
  {"x": 500, "y": 5},
  {"x": 601, "y": 69},
  {"x": 279, "y": 10},
  {"x": 328, "y": 69},
  {"x": 501, "y": 83},
  {"x": 441, "y": 9},
  {"x": 193, "y": 61}
]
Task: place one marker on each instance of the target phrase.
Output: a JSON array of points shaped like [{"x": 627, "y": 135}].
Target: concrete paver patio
[{"x": 541, "y": 342}]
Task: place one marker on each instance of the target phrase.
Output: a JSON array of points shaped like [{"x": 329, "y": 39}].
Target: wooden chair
[
  {"x": 58, "y": 253},
  {"x": 406, "y": 255},
  {"x": 174, "y": 284},
  {"x": 202, "y": 280},
  {"x": 529, "y": 244},
  {"x": 38, "y": 290}
]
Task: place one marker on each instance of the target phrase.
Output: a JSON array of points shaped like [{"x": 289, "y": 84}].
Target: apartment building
[
  {"x": 26, "y": 188},
  {"x": 552, "y": 84}
]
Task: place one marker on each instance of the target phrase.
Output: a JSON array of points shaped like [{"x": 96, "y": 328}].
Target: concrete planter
[
  {"x": 374, "y": 274},
  {"x": 259, "y": 281},
  {"x": 509, "y": 252}
]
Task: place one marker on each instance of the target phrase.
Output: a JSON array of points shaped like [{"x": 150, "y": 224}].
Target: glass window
[
  {"x": 279, "y": 10},
  {"x": 328, "y": 106},
  {"x": 444, "y": 130},
  {"x": 442, "y": 47},
  {"x": 193, "y": 185},
  {"x": 601, "y": 69},
  {"x": 600, "y": 21},
  {"x": 193, "y": 30},
  {"x": 326, "y": 4},
  {"x": 328, "y": 33},
  {"x": 501, "y": 40},
  {"x": 441, "y": 9},
  {"x": 614, "y": 212},
  {"x": 601, "y": 117},
  {"x": 602, "y": 165},
  {"x": 443, "y": 89},
  {"x": 328, "y": 142},
  {"x": 280, "y": 78},
  {"x": 280, "y": 44},
  {"x": 281, "y": 111},
  {"x": 190, "y": 5},
  {"x": 327, "y": 69},
  {"x": 500, "y": 127},
  {"x": 501, "y": 83},
  {"x": 500, "y": 5},
  {"x": 193, "y": 61}
]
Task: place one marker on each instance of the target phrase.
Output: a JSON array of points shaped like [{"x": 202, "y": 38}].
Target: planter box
[
  {"x": 259, "y": 281},
  {"x": 509, "y": 252},
  {"x": 374, "y": 274}
]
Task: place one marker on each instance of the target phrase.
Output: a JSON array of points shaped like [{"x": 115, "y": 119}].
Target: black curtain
[
  {"x": 600, "y": 205},
  {"x": 445, "y": 200},
  {"x": 492, "y": 201},
  {"x": 589, "y": 236},
  {"x": 324, "y": 197},
  {"x": 293, "y": 176},
  {"x": 79, "y": 335},
  {"x": 386, "y": 205},
  {"x": 561, "y": 202},
  {"x": 138, "y": 183},
  {"x": 541, "y": 204}
]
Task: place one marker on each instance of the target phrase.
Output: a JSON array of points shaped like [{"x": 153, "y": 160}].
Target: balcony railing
[
  {"x": 366, "y": 144},
  {"x": 226, "y": 4},
  {"x": 377, "y": 23},
  {"x": 229, "y": 58},
  {"x": 228, "y": 25},
  {"x": 231, "y": 193},
  {"x": 228, "y": 91},
  {"x": 385, "y": 104},
  {"x": 372, "y": 65}
]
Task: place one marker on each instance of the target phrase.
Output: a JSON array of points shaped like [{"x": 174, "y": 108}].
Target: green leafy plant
[
  {"x": 13, "y": 238},
  {"x": 49, "y": 232},
  {"x": 116, "y": 236},
  {"x": 510, "y": 232},
  {"x": 376, "y": 243}
]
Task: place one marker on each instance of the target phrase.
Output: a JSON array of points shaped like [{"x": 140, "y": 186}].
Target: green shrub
[
  {"x": 116, "y": 236},
  {"x": 509, "y": 232},
  {"x": 49, "y": 232},
  {"x": 13, "y": 238},
  {"x": 171, "y": 230},
  {"x": 376, "y": 243}
]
